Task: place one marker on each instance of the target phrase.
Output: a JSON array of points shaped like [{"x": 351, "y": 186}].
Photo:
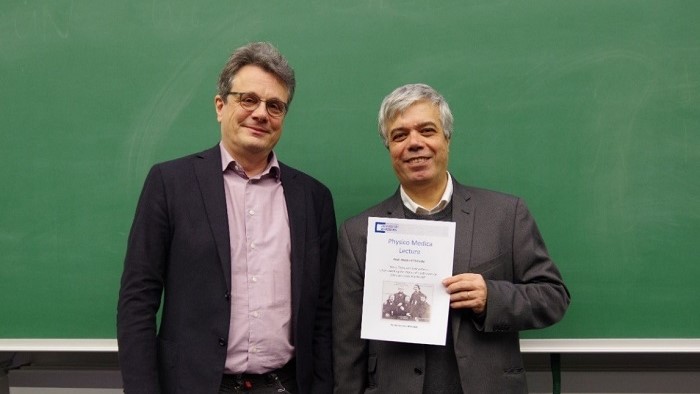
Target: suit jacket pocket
[
  {"x": 167, "y": 365},
  {"x": 371, "y": 371},
  {"x": 514, "y": 380},
  {"x": 499, "y": 267}
]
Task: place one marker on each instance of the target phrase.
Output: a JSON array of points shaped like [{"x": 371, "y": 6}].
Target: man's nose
[
  {"x": 415, "y": 140},
  {"x": 260, "y": 113}
]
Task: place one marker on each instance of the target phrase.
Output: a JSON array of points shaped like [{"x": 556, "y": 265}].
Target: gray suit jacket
[{"x": 496, "y": 237}]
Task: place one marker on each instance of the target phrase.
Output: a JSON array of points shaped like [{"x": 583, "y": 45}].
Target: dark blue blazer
[{"x": 178, "y": 255}]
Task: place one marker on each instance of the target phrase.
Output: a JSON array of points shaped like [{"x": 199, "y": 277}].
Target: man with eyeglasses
[{"x": 240, "y": 248}]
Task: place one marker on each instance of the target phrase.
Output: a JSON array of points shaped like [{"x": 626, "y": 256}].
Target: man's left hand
[{"x": 467, "y": 291}]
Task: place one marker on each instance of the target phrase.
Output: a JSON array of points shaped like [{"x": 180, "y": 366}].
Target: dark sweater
[{"x": 441, "y": 372}]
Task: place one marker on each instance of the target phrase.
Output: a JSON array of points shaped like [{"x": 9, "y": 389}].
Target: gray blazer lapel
[
  {"x": 393, "y": 206},
  {"x": 463, "y": 216},
  {"x": 207, "y": 168}
]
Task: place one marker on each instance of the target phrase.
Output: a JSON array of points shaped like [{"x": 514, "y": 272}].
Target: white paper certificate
[{"x": 404, "y": 299}]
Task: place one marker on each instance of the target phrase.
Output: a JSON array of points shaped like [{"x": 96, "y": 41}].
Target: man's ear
[{"x": 218, "y": 106}]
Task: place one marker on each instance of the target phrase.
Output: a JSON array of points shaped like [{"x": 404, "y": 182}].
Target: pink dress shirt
[{"x": 261, "y": 307}]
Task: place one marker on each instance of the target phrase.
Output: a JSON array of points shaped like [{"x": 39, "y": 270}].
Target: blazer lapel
[
  {"x": 394, "y": 206},
  {"x": 207, "y": 168},
  {"x": 295, "y": 199},
  {"x": 463, "y": 216}
]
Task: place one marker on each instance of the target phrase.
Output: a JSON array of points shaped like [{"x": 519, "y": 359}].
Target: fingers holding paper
[{"x": 467, "y": 291}]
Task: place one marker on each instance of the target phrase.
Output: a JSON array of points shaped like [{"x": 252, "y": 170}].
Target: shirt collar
[
  {"x": 228, "y": 162},
  {"x": 417, "y": 209}
]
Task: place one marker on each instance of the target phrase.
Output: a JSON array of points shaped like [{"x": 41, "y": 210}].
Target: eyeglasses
[{"x": 250, "y": 101}]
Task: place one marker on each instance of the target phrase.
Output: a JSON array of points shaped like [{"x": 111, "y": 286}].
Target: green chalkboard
[{"x": 590, "y": 110}]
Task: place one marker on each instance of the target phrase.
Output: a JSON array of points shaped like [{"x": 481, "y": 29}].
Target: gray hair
[
  {"x": 403, "y": 97},
  {"x": 263, "y": 55}
]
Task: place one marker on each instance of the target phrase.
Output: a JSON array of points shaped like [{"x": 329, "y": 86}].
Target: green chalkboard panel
[{"x": 590, "y": 110}]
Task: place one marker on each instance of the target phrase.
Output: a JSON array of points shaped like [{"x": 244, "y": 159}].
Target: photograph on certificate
[{"x": 399, "y": 305}]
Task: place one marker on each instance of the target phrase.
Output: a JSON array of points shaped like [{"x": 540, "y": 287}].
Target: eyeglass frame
[{"x": 285, "y": 106}]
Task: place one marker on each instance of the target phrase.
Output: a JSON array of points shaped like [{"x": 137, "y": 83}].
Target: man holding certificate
[{"x": 478, "y": 256}]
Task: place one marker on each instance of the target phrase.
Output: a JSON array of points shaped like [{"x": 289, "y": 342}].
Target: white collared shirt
[{"x": 420, "y": 210}]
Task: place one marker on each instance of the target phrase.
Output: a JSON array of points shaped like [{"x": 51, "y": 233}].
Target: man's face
[
  {"x": 417, "y": 146},
  {"x": 250, "y": 133}
]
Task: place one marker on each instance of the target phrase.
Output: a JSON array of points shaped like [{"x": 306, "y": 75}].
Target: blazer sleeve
[
  {"x": 141, "y": 288},
  {"x": 535, "y": 296},
  {"x": 349, "y": 350}
]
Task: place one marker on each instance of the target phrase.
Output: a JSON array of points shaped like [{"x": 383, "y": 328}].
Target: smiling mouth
[
  {"x": 417, "y": 160},
  {"x": 258, "y": 130}
]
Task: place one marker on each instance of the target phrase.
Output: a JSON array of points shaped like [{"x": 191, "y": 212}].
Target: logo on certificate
[{"x": 383, "y": 227}]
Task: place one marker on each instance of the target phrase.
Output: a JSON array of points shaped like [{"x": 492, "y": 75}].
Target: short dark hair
[{"x": 263, "y": 55}]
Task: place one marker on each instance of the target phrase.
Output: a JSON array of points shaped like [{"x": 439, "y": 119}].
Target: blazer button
[
  {"x": 227, "y": 296},
  {"x": 418, "y": 371},
  {"x": 222, "y": 342}
]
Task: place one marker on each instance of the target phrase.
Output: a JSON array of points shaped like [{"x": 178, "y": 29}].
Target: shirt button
[
  {"x": 252, "y": 245},
  {"x": 255, "y": 314},
  {"x": 251, "y": 212},
  {"x": 254, "y": 279}
]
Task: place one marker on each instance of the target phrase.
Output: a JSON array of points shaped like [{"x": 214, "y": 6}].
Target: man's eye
[
  {"x": 275, "y": 105},
  {"x": 250, "y": 100}
]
